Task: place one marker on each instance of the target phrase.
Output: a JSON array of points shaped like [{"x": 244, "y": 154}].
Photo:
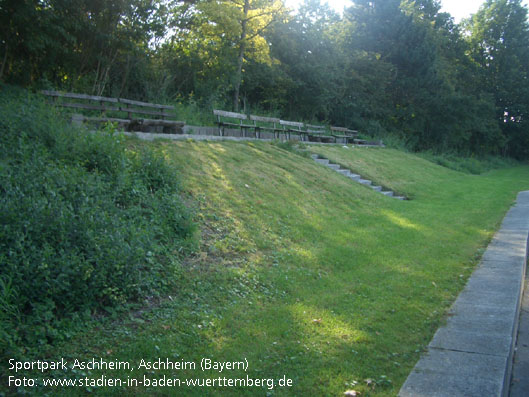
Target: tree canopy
[{"x": 388, "y": 67}]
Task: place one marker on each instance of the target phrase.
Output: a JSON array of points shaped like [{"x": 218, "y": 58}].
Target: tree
[
  {"x": 308, "y": 55},
  {"x": 76, "y": 43},
  {"x": 499, "y": 42},
  {"x": 226, "y": 32}
]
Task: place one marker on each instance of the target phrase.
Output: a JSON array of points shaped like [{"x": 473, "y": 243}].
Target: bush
[{"x": 85, "y": 224}]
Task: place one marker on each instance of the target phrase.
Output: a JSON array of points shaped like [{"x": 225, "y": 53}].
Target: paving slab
[
  {"x": 471, "y": 341},
  {"x": 444, "y": 373},
  {"x": 499, "y": 254},
  {"x": 471, "y": 355}
]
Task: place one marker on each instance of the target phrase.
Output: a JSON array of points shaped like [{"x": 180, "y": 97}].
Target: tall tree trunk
[
  {"x": 4, "y": 61},
  {"x": 125, "y": 76},
  {"x": 97, "y": 77},
  {"x": 240, "y": 59}
]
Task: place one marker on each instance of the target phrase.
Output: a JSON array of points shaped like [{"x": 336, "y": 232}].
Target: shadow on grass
[{"x": 308, "y": 275}]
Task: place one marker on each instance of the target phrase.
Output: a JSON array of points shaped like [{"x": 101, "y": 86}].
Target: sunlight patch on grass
[
  {"x": 401, "y": 221},
  {"x": 303, "y": 243},
  {"x": 322, "y": 326}
]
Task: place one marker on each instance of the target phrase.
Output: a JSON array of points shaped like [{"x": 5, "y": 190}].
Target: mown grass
[
  {"x": 305, "y": 273},
  {"x": 471, "y": 165}
]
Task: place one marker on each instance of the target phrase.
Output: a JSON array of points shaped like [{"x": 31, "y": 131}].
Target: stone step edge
[{"x": 355, "y": 177}]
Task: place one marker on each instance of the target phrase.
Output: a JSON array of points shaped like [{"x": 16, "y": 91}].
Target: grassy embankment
[{"x": 305, "y": 273}]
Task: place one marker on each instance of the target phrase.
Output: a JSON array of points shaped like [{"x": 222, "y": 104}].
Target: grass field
[{"x": 304, "y": 273}]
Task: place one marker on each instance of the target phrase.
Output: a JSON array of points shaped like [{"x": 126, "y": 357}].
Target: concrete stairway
[{"x": 355, "y": 177}]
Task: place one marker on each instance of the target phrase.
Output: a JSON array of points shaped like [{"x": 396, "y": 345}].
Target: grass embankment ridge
[{"x": 307, "y": 274}]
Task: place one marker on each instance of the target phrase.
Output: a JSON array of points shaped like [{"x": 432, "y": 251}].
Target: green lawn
[{"x": 305, "y": 273}]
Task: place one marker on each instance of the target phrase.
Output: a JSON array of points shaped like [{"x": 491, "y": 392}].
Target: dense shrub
[{"x": 85, "y": 224}]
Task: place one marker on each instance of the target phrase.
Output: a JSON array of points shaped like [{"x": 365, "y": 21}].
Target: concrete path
[
  {"x": 472, "y": 354},
  {"x": 520, "y": 369}
]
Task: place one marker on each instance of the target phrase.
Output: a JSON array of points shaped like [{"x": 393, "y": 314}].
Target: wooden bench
[
  {"x": 317, "y": 133},
  {"x": 164, "y": 114},
  {"x": 271, "y": 124},
  {"x": 231, "y": 119},
  {"x": 293, "y": 127},
  {"x": 346, "y": 134}
]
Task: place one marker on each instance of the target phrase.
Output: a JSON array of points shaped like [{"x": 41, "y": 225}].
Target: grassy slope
[{"x": 308, "y": 274}]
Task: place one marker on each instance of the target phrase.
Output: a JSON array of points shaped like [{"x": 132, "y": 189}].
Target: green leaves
[
  {"x": 85, "y": 224},
  {"x": 499, "y": 43}
]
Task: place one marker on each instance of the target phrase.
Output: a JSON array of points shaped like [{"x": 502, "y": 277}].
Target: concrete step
[{"x": 354, "y": 177}]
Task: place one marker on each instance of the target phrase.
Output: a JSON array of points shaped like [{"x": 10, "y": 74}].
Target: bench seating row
[
  {"x": 307, "y": 132},
  {"x": 161, "y": 117}
]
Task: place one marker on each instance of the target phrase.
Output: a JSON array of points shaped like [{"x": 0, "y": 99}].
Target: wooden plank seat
[
  {"x": 164, "y": 114},
  {"x": 293, "y": 127},
  {"x": 317, "y": 133},
  {"x": 231, "y": 119},
  {"x": 271, "y": 124},
  {"x": 344, "y": 134}
]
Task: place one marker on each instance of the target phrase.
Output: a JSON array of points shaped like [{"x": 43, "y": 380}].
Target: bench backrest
[
  {"x": 264, "y": 119},
  {"x": 298, "y": 126},
  {"x": 315, "y": 129},
  {"x": 271, "y": 123},
  {"x": 105, "y": 104},
  {"x": 344, "y": 131},
  {"x": 232, "y": 115}
]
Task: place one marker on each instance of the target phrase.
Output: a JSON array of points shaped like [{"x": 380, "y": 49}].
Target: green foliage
[
  {"x": 194, "y": 113},
  {"x": 85, "y": 224},
  {"x": 469, "y": 164},
  {"x": 499, "y": 43},
  {"x": 402, "y": 65}
]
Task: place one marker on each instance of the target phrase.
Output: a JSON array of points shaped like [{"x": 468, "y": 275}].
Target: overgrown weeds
[{"x": 86, "y": 225}]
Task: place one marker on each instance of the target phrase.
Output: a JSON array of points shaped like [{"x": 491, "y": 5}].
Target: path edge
[{"x": 451, "y": 367}]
